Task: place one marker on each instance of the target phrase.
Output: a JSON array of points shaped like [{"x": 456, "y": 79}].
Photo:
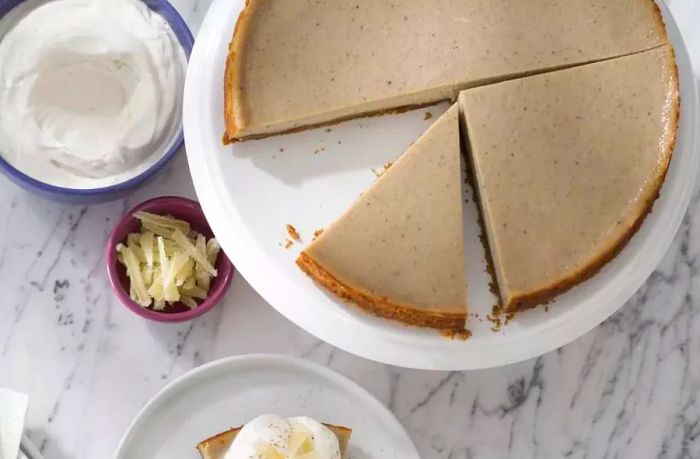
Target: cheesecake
[
  {"x": 297, "y": 64},
  {"x": 567, "y": 165},
  {"x": 216, "y": 447},
  {"x": 398, "y": 252}
]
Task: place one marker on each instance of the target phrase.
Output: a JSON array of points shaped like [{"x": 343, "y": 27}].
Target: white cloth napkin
[{"x": 13, "y": 410}]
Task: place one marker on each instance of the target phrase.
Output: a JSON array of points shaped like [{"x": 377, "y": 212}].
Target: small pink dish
[{"x": 184, "y": 209}]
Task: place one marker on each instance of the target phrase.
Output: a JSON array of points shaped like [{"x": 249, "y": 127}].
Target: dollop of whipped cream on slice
[{"x": 273, "y": 437}]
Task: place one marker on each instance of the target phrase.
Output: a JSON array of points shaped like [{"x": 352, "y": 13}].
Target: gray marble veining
[{"x": 627, "y": 389}]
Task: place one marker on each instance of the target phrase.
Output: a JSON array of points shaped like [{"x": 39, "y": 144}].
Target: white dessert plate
[
  {"x": 229, "y": 392},
  {"x": 251, "y": 191}
]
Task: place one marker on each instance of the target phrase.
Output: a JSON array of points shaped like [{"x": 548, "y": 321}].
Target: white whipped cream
[
  {"x": 90, "y": 90},
  {"x": 273, "y": 437}
]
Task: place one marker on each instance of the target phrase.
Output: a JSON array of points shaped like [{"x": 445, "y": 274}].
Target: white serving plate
[
  {"x": 250, "y": 191},
  {"x": 229, "y": 392}
]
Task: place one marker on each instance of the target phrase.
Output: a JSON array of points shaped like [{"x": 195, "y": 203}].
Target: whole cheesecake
[
  {"x": 567, "y": 165},
  {"x": 398, "y": 252},
  {"x": 294, "y": 64}
]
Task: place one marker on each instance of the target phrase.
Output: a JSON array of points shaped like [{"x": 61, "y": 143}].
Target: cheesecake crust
[
  {"x": 234, "y": 67},
  {"x": 389, "y": 111},
  {"x": 379, "y": 306}
]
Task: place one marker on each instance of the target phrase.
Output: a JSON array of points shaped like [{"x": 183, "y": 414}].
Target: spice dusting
[
  {"x": 317, "y": 233},
  {"x": 428, "y": 115}
]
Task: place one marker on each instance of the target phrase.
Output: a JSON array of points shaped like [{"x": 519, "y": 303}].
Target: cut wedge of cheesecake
[
  {"x": 216, "y": 446},
  {"x": 294, "y": 64},
  {"x": 398, "y": 252},
  {"x": 567, "y": 165}
]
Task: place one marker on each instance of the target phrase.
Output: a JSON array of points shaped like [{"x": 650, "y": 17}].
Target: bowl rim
[
  {"x": 186, "y": 40},
  {"x": 225, "y": 267}
]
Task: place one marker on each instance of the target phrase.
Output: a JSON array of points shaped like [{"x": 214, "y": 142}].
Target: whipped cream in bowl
[{"x": 90, "y": 94}]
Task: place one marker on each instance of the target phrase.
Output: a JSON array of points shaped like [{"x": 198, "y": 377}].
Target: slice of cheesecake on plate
[
  {"x": 398, "y": 251},
  {"x": 294, "y": 64},
  {"x": 216, "y": 446},
  {"x": 567, "y": 165}
]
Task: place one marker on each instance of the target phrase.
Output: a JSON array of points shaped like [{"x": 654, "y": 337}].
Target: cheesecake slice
[
  {"x": 567, "y": 165},
  {"x": 216, "y": 446},
  {"x": 294, "y": 64},
  {"x": 398, "y": 252}
]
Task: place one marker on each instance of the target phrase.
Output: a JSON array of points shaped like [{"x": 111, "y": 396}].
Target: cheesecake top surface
[
  {"x": 402, "y": 240},
  {"x": 568, "y": 164},
  {"x": 294, "y": 63}
]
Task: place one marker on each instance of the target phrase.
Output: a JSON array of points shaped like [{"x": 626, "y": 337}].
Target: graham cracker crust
[{"x": 378, "y": 306}]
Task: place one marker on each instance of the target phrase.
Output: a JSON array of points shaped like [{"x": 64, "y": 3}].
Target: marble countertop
[{"x": 627, "y": 389}]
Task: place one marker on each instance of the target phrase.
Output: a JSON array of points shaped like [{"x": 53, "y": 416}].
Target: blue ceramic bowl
[{"x": 119, "y": 190}]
